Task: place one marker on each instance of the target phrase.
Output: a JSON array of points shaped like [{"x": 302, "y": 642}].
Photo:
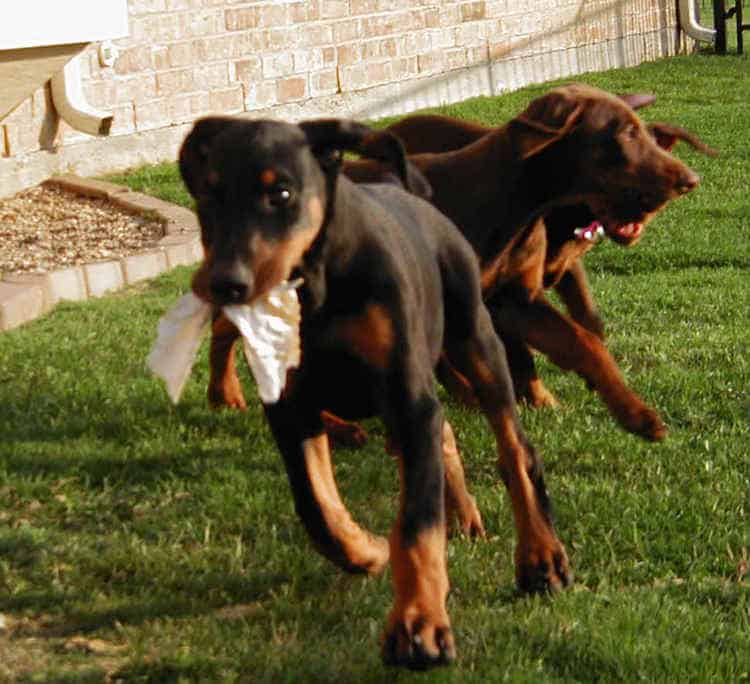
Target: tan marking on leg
[
  {"x": 224, "y": 387},
  {"x": 458, "y": 502},
  {"x": 537, "y": 395},
  {"x": 362, "y": 549},
  {"x": 538, "y": 545},
  {"x": 420, "y": 583},
  {"x": 370, "y": 335}
]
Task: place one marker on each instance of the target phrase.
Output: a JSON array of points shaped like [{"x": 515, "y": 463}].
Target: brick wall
[{"x": 292, "y": 59}]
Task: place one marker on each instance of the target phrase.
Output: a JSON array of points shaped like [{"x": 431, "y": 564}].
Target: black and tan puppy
[{"x": 389, "y": 286}]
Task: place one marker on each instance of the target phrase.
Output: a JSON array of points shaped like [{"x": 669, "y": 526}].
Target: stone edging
[{"x": 26, "y": 296}]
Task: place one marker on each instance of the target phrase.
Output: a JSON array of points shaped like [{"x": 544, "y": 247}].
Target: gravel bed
[{"x": 46, "y": 228}]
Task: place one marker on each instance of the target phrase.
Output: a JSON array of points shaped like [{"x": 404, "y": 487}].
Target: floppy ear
[
  {"x": 329, "y": 137},
  {"x": 194, "y": 152},
  {"x": 545, "y": 121},
  {"x": 637, "y": 100},
  {"x": 667, "y": 137}
]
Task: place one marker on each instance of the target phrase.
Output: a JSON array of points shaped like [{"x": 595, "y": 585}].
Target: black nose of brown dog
[
  {"x": 688, "y": 180},
  {"x": 230, "y": 286}
]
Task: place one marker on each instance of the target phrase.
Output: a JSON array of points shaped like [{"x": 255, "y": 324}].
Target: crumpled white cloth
[{"x": 270, "y": 336}]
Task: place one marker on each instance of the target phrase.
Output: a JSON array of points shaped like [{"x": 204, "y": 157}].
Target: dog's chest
[{"x": 521, "y": 262}]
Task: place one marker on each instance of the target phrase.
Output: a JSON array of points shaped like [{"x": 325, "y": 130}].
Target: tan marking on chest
[{"x": 370, "y": 335}]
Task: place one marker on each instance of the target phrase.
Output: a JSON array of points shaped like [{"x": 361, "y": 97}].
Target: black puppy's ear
[
  {"x": 327, "y": 137},
  {"x": 195, "y": 149},
  {"x": 667, "y": 137}
]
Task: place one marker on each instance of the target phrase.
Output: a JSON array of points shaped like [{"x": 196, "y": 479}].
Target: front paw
[
  {"x": 644, "y": 421},
  {"x": 542, "y": 568},
  {"x": 464, "y": 517},
  {"x": 228, "y": 395},
  {"x": 536, "y": 395},
  {"x": 418, "y": 643}
]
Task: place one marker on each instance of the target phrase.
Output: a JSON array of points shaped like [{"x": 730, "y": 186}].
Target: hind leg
[{"x": 541, "y": 560}]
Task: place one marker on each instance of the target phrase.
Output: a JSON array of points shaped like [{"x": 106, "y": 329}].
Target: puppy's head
[
  {"x": 606, "y": 157},
  {"x": 264, "y": 190}
]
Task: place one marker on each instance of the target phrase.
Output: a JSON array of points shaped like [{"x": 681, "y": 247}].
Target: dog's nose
[
  {"x": 230, "y": 287},
  {"x": 688, "y": 180}
]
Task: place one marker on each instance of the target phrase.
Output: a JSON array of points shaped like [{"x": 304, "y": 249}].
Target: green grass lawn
[{"x": 149, "y": 543}]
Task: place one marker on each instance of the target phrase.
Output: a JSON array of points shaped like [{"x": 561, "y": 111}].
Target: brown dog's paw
[
  {"x": 645, "y": 422},
  {"x": 419, "y": 646},
  {"x": 465, "y": 518},
  {"x": 226, "y": 396},
  {"x": 543, "y": 571}
]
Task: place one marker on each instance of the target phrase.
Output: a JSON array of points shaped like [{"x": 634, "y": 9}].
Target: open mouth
[{"x": 623, "y": 233}]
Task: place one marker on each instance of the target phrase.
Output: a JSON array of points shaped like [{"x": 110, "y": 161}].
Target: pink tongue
[{"x": 630, "y": 230}]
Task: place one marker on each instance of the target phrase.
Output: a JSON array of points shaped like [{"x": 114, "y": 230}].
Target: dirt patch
[{"x": 46, "y": 228}]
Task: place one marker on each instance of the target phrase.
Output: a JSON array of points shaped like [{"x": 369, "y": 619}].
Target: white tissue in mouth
[
  {"x": 270, "y": 336},
  {"x": 178, "y": 338},
  {"x": 269, "y": 329}
]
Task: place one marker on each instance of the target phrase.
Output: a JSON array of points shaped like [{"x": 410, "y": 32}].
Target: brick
[
  {"x": 324, "y": 82},
  {"x": 241, "y": 19},
  {"x": 349, "y": 54},
  {"x": 213, "y": 49},
  {"x": 211, "y": 76},
  {"x": 182, "y": 250},
  {"x": 186, "y": 108},
  {"x": 67, "y": 284},
  {"x": 180, "y": 54},
  {"x": 123, "y": 119},
  {"x": 62, "y": 284},
  {"x": 19, "y": 304},
  {"x": 473, "y": 11},
  {"x": 274, "y": 66},
  {"x": 290, "y": 89},
  {"x": 248, "y": 70},
  {"x": 274, "y": 14},
  {"x": 32, "y": 280},
  {"x": 227, "y": 101},
  {"x": 348, "y": 30},
  {"x": 201, "y": 23},
  {"x": 278, "y": 39},
  {"x": 102, "y": 277},
  {"x": 133, "y": 60},
  {"x": 175, "y": 81},
  {"x": 143, "y": 266},
  {"x": 149, "y": 115},
  {"x": 332, "y": 9},
  {"x": 260, "y": 95}
]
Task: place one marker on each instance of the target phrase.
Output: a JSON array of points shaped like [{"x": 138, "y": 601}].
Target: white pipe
[
  {"x": 71, "y": 105},
  {"x": 689, "y": 23}
]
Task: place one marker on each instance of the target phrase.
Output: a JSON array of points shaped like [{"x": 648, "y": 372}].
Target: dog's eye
[{"x": 279, "y": 197}]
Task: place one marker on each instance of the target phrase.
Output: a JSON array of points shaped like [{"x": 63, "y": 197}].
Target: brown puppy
[{"x": 577, "y": 156}]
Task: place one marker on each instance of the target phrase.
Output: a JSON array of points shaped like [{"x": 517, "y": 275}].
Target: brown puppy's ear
[
  {"x": 329, "y": 137},
  {"x": 194, "y": 152},
  {"x": 545, "y": 121},
  {"x": 667, "y": 137},
  {"x": 637, "y": 100}
]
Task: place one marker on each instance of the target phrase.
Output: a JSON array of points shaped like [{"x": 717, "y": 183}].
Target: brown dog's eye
[{"x": 279, "y": 197}]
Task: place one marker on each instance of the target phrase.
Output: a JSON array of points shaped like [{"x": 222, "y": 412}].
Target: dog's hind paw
[{"x": 419, "y": 646}]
